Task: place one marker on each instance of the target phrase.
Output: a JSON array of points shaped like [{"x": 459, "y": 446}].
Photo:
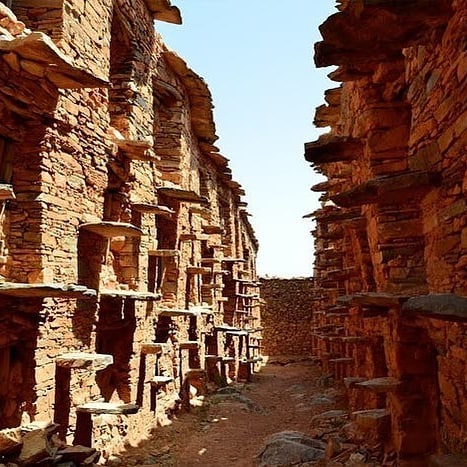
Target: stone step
[
  {"x": 100, "y": 408},
  {"x": 351, "y": 381},
  {"x": 160, "y": 380},
  {"x": 174, "y": 312},
  {"x": 109, "y": 229},
  {"x": 157, "y": 209},
  {"x": 380, "y": 385},
  {"x": 82, "y": 360}
]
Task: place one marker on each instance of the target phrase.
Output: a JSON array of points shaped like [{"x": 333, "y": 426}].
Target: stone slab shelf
[
  {"x": 377, "y": 299},
  {"x": 188, "y": 345},
  {"x": 212, "y": 230},
  {"x": 351, "y": 381},
  {"x": 226, "y": 328},
  {"x": 160, "y": 380},
  {"x": 250, "y": 318},
  {"x": 449, "y": 307},
  {"x": 136, "y": 150},
  {"x": 130, "y": 295},
  {"x": 202, "y": 210},
  {"x": 228, "y": 359},
  {"x": 157, "y": 209},
  {"x": 56, "y": 66},
  {"x": 173, "y": 312},
  {"x": 22, "y": 290},
  {"x": 202, "y": 309},
  {"x": 388, "y": 189},
  {"x": 193, "y": 270},
  {"x": 84, "y": 413},
  {"x": 210, "y": 260},
  {"x": 233, "y": 260},
  {"x": 162, "y": 10},
  {"x": 190, "y": 237},
  {"x": 237, "y": 333},
  {"x": 164, "y": 253},
  {"x": 241, "y": 312},
  {"x": 6, "y": 192},
  {"x": 380, "y": 385},
  {"x": 83, "y": 360},
  {"x": 153, "y": 348},
  {"x": 101, "y": 408},
  {"x": 109, "y": 229},
  {"x": 333, "y": 149},
  {"x": 184, "y": 196}
]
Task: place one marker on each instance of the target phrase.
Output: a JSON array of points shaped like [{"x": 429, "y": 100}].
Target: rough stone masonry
[
  {"x": 390, "y": 313},
  {"x": 127, "y": 260}
]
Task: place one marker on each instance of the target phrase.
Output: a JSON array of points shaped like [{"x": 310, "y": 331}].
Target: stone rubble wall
[{"x": 287, "y": 311}]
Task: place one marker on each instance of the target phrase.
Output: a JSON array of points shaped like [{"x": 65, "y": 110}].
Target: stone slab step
[
  {"x": 94, "y": 361},
  {"x": 107, "y": 408},
  {"x": 161, "y": 380},
  {"x": 380, "y": 385}
]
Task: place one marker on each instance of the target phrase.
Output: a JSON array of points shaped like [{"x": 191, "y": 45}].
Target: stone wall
[
  {"x": 390, "y": 235},
  {"x": 123, "y": 234},
  {"x": 287, "y": 311}
]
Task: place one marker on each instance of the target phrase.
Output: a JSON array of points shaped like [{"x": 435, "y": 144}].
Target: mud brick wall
[{"x": 286, "y": 314}]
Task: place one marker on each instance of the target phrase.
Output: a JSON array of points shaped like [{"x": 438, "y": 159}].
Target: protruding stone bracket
[
  {"x": 449, "y": 307},
  {"x": 333, "y": 149}
]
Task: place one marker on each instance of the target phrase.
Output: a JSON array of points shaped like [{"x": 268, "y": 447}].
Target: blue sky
[{"x": 257, "y": 58}]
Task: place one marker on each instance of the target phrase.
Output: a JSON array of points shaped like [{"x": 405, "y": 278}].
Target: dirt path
[{"x": 230, "y": 428}]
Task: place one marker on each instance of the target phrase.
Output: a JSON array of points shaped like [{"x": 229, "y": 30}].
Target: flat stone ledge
[
  {"x": 188, "y": 345},
  {"x": 174, "y": 312},
  {"x": 157, "y": 209},
  {"x": 380, "y": 385},
  {"x": 153, "y": 348},
  {"x": 109, "y": 229},
  {"x": 99, "y": 408},
  {"x": 83, "y": 360},
  {"x": 130, "y": 294},
  {"x": 161, "y": 380},
  {"x": 179, "y": 194},
  {"x": 449, "y": 307},
  {"x": 22, "y": 290}
]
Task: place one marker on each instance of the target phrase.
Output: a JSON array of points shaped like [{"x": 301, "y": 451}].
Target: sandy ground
[{"x": 231, "y": 426}]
